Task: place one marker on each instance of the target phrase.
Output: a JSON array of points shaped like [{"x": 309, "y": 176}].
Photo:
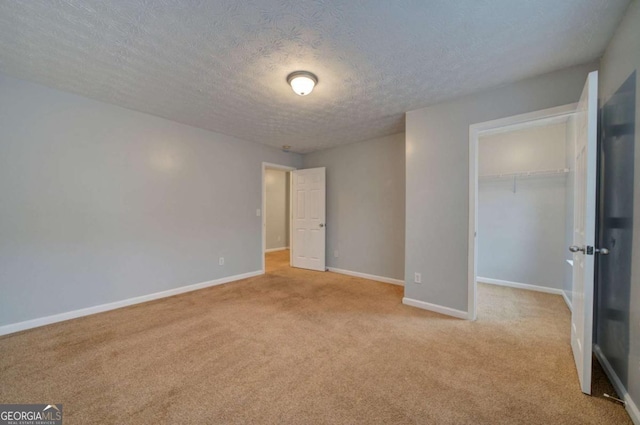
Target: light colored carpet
[{"x": 303, "y": 347}]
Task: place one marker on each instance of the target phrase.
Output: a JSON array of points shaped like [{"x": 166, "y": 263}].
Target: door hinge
[{"x": 589, "y": 250}]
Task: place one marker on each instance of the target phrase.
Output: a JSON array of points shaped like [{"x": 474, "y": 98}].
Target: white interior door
[
  {"x": 308, "y": 219},
  {"x": 584, "y": 230}
]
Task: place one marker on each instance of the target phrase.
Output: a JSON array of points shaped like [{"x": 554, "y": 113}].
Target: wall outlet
[
  {"x": 258, "y": 212},
  {"x": 335, "y": 254},
  {"x": 279, "y": 238},
  {"x": 417, "y": 277},
  {"x": 221, "y": 261}
]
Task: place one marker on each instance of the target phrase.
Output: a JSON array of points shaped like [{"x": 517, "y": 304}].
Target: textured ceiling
[{"x": 221, "y": 65}]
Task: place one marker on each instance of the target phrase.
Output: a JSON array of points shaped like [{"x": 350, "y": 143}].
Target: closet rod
[{"x": 526, "y": 173}]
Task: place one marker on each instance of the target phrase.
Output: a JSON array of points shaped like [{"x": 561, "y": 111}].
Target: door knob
[
  {"x": 601, "y": 251},
  {"x": 321, "y": 224}
]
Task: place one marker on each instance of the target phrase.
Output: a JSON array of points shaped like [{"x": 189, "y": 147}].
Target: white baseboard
[
  {"x": 631, "y": 407},
  {"x": 368, "y": 276},
  {"x": 520, "y": 285},
  {"x": 61, "y": 317},
  {"x": 436, "y": 308},
  {"x": 276, "y": 249},
  {"x": 567, "y": 300}
]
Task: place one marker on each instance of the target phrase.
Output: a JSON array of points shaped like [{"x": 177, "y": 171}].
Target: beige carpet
[{"x": 302, "y": 347}]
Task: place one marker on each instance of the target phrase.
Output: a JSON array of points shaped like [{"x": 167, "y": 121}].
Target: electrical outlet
[
  {"x": 278, "y": 238},
  {"x": 417, "y": 278},
  {"x": 221, "y": 261},
  {"x": 258, "y": 212},
  {"x": 335, "y": 254}
]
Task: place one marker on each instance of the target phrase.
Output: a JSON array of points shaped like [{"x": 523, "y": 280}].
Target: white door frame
[
  {"x": 516, "y": 122},
  {"x": 265, "y": 166}
]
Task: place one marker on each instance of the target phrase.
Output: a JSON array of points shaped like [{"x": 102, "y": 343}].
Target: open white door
[
  {"x": 584, "y": 230},
  {"x": 308, "y": 219}
]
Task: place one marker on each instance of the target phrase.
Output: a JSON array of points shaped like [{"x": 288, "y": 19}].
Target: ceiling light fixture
[{"x": 302, "y": 82}]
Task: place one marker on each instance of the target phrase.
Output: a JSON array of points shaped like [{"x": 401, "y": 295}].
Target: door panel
[
  {"x": 314, "y": 208},
  {"x": 308, "y": 248},
  {"x": 584, "y": 230},
  {"x": 299, "y": 244},
  {"x": 301, "y": 205}
]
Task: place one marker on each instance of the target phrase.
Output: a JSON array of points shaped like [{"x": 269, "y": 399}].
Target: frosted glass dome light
[{"x": 302, "y": 82}]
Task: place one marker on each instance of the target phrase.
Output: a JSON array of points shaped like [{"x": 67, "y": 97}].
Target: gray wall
[
  {"x": 570, "y": 163},
  {"x": 100, "y": 203},
  {"x": 521, "y": 234},
  {"x": 365, "y": 205},
  {"x": 621, "y": 58},
  {"x": 437, "y": 164},
  {"x": 277, "y": 208}
]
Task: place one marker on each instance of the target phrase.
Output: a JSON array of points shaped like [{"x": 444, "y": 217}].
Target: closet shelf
[
  {"x": 516, "y": 176},
  {"x": 526, "y": 174}
]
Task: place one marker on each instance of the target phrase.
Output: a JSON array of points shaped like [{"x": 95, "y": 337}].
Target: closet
[{"x": 525, "y": 205}]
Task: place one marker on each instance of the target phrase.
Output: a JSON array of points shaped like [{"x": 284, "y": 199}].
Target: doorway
[
  {"x": 519, "y": 175},
  {"x": 304, "y": 234},
  {"x": 276, "y": 216}
]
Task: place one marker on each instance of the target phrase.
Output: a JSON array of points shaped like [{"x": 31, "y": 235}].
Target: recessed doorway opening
[
  {"x": 276, "y": 215},
  {"x": 520, "y": 202}
]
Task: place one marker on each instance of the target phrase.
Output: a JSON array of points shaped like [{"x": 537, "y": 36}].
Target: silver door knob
[
  {"x": 602, "y": 251},
  {"x": 576, "y": 248}
]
